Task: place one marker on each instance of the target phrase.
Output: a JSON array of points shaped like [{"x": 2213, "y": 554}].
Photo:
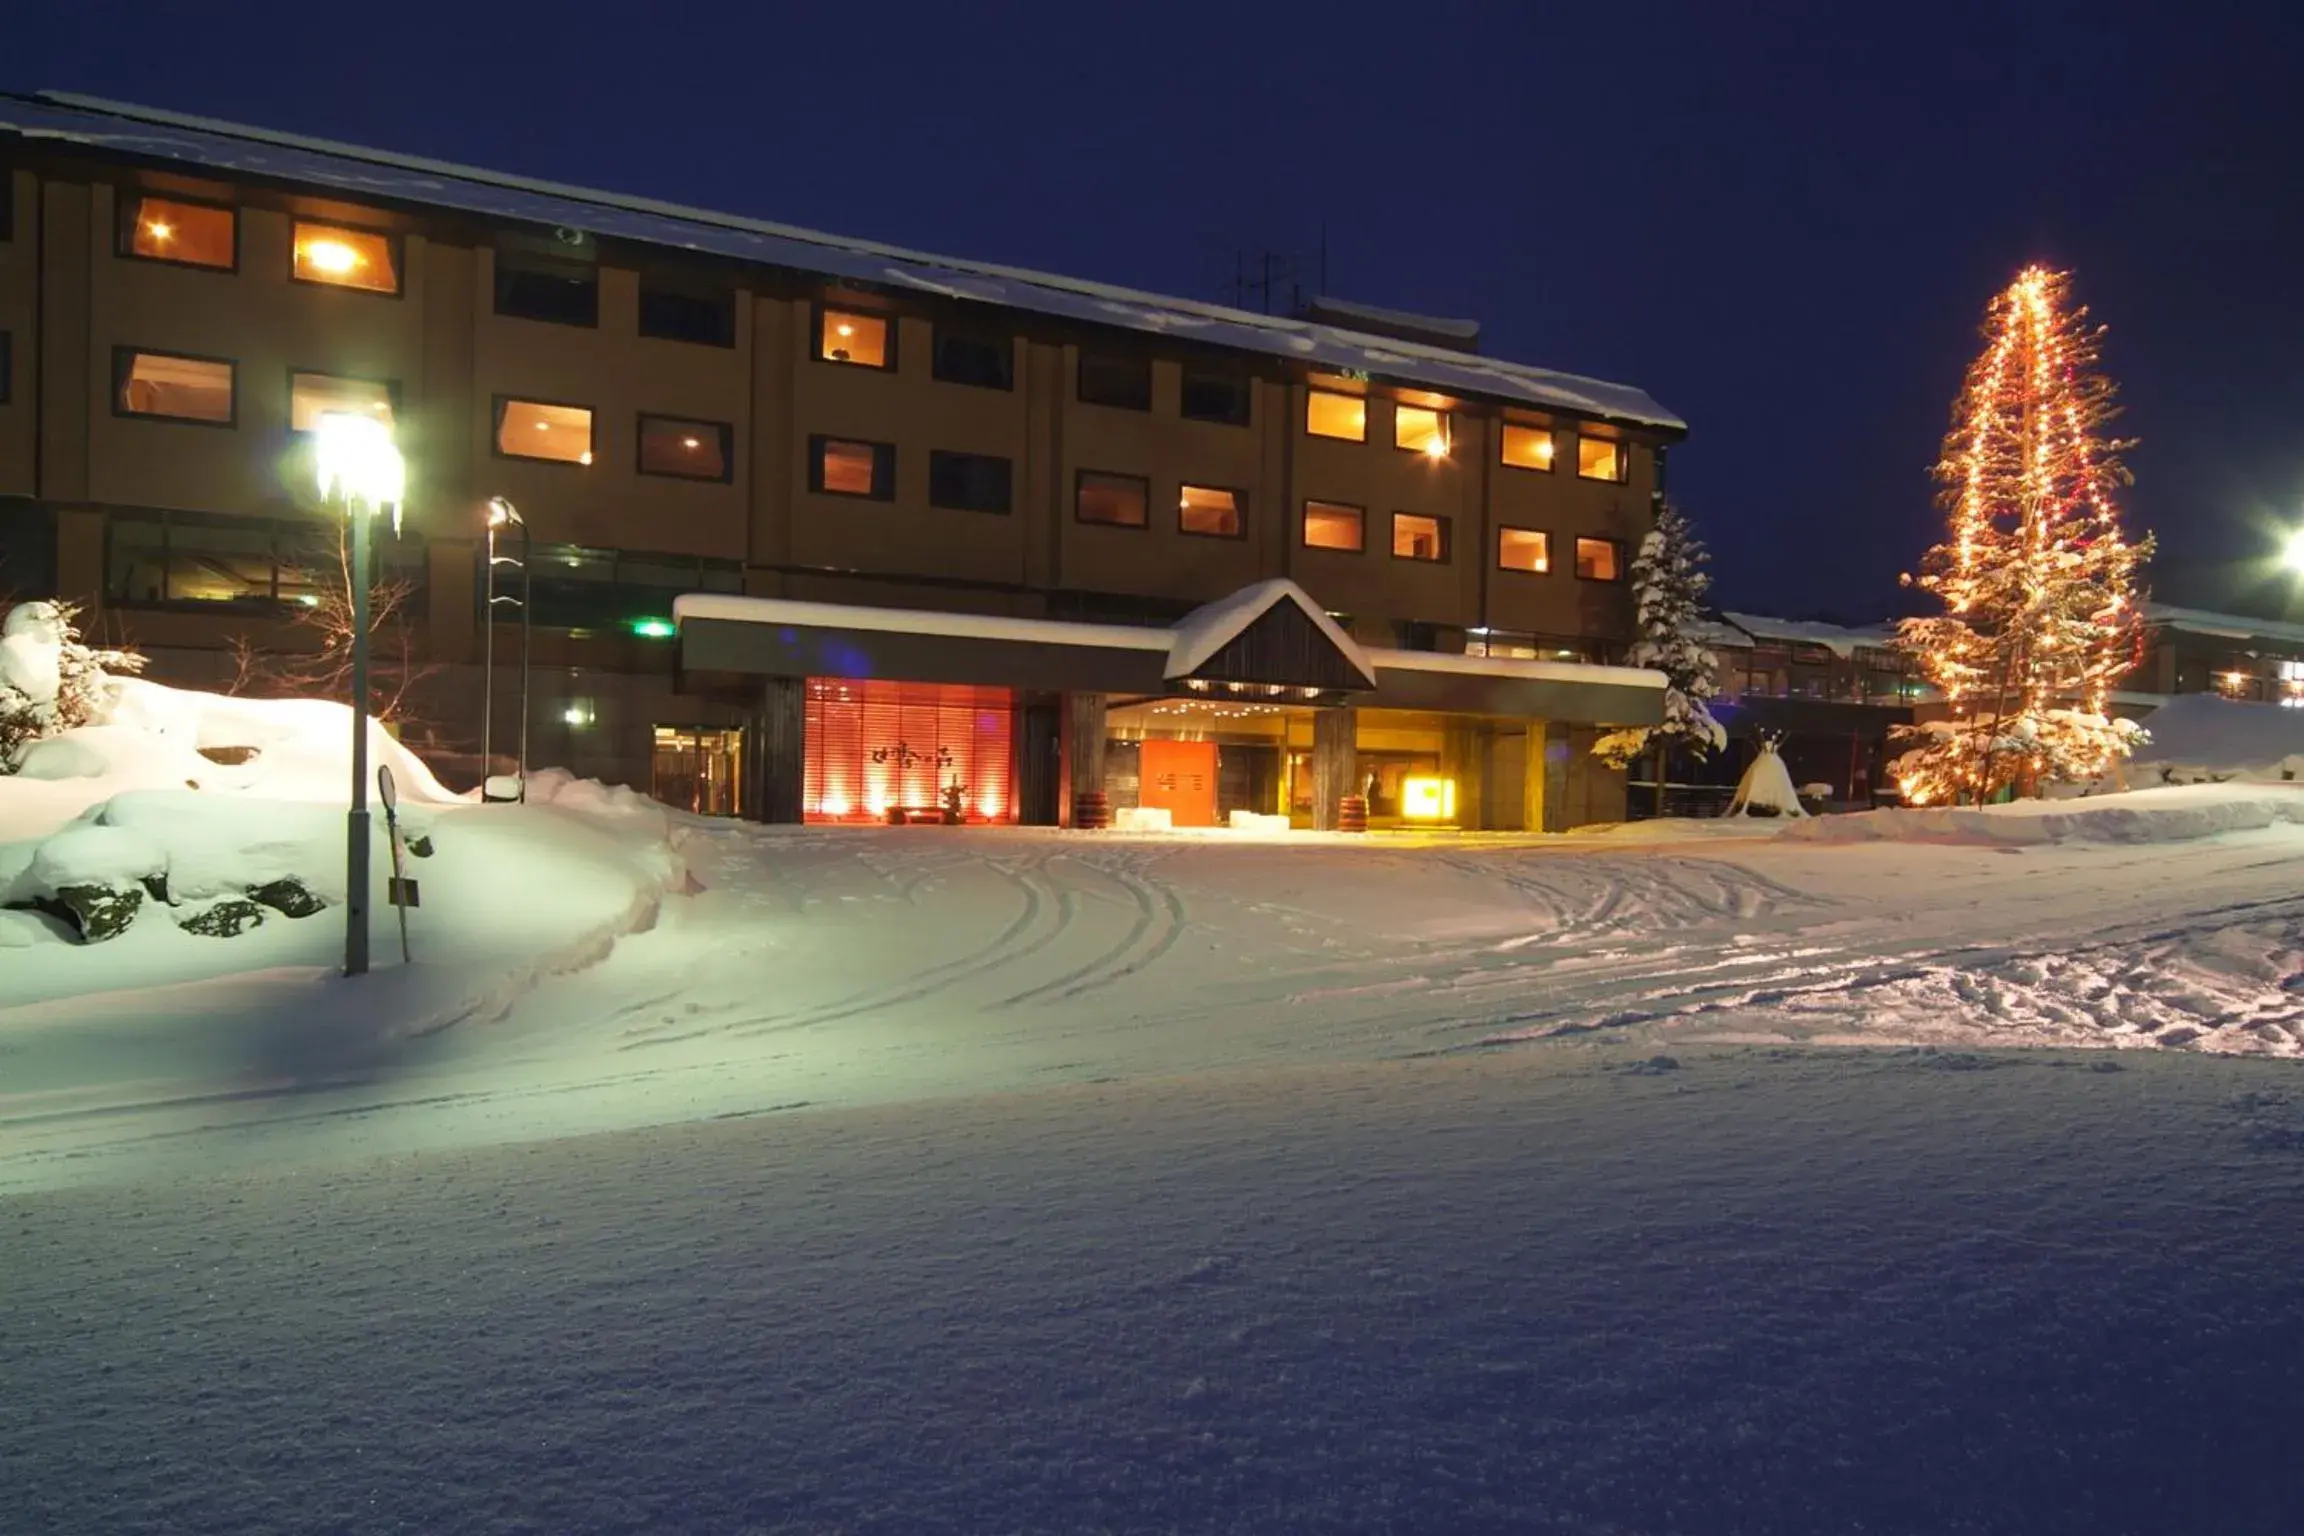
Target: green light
[{"x": 653, "y": 629}]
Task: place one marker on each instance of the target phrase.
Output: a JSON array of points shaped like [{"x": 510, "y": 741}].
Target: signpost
[{"x": 401, "y": 890}]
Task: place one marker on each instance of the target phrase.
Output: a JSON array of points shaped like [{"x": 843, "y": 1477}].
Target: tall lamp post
[
  {"x": 2292, "y": 553},
  {"x": 359, "y": 467},
  {"x": 502, "y": 514}
]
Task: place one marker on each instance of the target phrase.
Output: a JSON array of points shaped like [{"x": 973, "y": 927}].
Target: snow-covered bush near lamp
[
  {"x": 1668, "y": 588},
  {"x": 50, "y": 681},
  {"x": 2052, "y": 746}
]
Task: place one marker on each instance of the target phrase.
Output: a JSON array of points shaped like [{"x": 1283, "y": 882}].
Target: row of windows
[
  {"x": 562, "y": 292},
  {"x": 1418, "y": 536},
  {"x": 172, "y": 386}
]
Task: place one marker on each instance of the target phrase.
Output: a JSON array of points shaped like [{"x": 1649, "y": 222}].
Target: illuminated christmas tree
[{"x": 2041, "y": 613}]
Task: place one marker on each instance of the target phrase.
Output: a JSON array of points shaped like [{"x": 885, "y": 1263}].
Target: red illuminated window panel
[{"x": 880, "y": 751}]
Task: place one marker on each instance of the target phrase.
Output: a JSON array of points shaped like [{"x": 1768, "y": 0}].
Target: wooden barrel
[
  {"x": 1352, "y": 814},
  {"x": 1091, "y": 810}
]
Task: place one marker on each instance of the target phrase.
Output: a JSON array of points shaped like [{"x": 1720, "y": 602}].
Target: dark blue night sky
[{"x": 1784, "y": 221}]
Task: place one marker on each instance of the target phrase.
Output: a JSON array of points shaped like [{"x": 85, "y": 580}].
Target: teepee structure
[{"x": 1766, "y": 788}]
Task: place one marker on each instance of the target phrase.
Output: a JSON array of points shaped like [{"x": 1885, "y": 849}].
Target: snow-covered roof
[
  {"x": 1507, "y": 666},
  {"x": 2228, "y": 626},
  {"x": 356, "y": 172},
  {"x": 1206, "y": 630},
  {"x": 1374, "y": 317},
  {"x": 918, "y": 621},
  {"x": 1840, "y": 639}
]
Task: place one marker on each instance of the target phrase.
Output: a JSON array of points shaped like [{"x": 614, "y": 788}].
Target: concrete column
[
  {"x": 1464, "y": 749},
  {"x": 775, "y": 766},
  {"x": 1335, "y": 763},
  {"x": 1548, "y": 796},
  {"x": 1083, "y": 748}
]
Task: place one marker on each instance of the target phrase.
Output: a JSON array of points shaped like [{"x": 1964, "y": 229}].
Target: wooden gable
[{"x": 1283, "y": 646}]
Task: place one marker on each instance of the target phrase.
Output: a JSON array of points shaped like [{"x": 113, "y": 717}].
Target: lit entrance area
[
  {"x": 1201, "y": 760},
  {"x": 907, "y": 752},
  {"x": 698, "y": 770}
]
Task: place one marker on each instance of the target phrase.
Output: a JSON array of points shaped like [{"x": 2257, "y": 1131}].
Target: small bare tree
[{"x": 396, "y": 669}]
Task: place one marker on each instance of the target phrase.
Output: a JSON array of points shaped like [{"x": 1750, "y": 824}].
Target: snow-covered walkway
[{"x": 827, "y": 968}]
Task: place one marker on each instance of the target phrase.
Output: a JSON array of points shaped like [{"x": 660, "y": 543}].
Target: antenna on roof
[{"x": 1263, "y": 276}]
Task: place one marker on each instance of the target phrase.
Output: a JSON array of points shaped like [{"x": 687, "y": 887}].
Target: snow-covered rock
[{"x": 32, "y": 651}]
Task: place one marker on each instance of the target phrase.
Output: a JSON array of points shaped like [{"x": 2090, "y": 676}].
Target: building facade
[{"x": 682, "y": 404}]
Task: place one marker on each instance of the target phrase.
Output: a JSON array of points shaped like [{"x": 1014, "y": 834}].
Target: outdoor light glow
[
  {"x": 332, "y": 256},
  {"x": 577, "y": 714},
  {"x": 2293, "y": 555},
  {"x": 653, "y": 629},
  {"x": 1424, "y": 798},
  {"x": 356, "y": 460},
  {"x": 1436, "y": 447}
]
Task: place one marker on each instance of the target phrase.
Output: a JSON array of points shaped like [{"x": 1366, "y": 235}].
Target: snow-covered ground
[{"x": 941, "y": 1180}]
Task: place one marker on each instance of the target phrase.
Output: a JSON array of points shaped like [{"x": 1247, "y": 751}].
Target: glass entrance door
[{"x": 697, "y": 770}]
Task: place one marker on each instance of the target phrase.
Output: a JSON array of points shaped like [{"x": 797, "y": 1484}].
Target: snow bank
[
  {"x": 2201, "y": 738},
  {"x": 217, "y": 825},
  {"x": 2171, "y": 814}
]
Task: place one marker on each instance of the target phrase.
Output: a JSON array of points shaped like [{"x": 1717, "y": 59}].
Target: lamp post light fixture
[
  {"x": 359, "y": 467},
  {"x": 2292, "y": 553},
  {"x": 501, "y": 515}
]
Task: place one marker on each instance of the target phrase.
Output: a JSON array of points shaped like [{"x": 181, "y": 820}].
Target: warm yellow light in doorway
[{"x": 1424, "y": 798}]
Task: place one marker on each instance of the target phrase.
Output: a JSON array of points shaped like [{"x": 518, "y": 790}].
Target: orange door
[{"x": 1180, "y": 776}]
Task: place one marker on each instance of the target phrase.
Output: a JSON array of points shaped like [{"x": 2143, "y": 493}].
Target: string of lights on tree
[{"x": 2038, "y": 580}]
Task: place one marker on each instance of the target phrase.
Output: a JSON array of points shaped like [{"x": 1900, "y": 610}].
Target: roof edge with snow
[{"x": 1207, "y": 629}]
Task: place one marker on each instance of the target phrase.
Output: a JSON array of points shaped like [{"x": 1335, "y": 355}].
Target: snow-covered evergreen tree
[
  {"x": 1669, "y": 584},
  {"x": 51, "y": 680}
]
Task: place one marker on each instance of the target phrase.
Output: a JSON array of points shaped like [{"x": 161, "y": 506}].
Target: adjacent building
[{"x": 811, "y": 527}]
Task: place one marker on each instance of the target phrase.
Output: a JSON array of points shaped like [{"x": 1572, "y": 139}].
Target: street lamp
[
  {"x": 359, "y": 466},
  {"x": 501, "y": 514},
  {"x": 2292, "y": 555}
]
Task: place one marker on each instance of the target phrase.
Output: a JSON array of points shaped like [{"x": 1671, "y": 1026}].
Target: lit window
[
  {"x": 1420, "y": 429},
  {"x": 311, "y": 395},
  {"x": 1417, "y": 537},
  {"x": 843, "y": 336},
  {"x": 346, "y": 258},
  {"x": 1206, "y": 510},
  {"x": 969, "y": 482},
  {"x": 1339, "y": 416},
  {"x": 1528, "y": 447},
  {"x": 1599, "y": 560},
  {"x": 1599, "y": 459},
  {"x": 177, "y": 388},
  {"x": 194, "y": 234},
  {"x": 531, "y": 429},
  {"x": 1333, "y": 525},
  {"x": 683, "y": 449},
  {"x": 842, "y": 466},
  {"x": 1523, "y": 549},
  {"x": 1116, "y": 501}
]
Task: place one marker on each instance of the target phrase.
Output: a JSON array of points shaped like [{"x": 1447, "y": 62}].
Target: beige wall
[{"x": 451, "y": 356}]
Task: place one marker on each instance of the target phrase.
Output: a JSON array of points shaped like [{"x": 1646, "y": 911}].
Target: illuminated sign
[{"x": 1423, "y": 798}]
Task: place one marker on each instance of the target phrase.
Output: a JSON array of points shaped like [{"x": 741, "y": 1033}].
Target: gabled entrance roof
[{"x": 1268, "y": 633}]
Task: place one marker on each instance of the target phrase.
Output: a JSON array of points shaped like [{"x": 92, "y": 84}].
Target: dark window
[
  {"x": 846, "y": 466},
  {"x": 558, "y": 292},
  {"x": 224, "y": 561},
  {"x": 614, "y": 589},
  {"x": 1210, "y": 395},
  {"x": 686, "y": 450},
  {"x": 672, "y": 314},
  {"x": 174, "y": 387},
  {"x": 187, "y": 234},
  {"x": 1116, "y": 501},
  {"x": 968, "y": 482},
  {"x": 987, "y": 362},
  {"x": 6, "y": 370},
  {"x": 1122, "y": 382},
  {"x": 7, "y": 203}
]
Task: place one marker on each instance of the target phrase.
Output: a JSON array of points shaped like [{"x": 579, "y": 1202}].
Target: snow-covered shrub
[
  {"x": 50, "y": 680},
  {"x": 1668, "y": 588}
]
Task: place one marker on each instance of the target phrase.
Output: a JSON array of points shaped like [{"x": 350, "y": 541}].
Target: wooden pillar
[
  {"x": 1335, "y": 762},
  {"x": 776, "y": 765},
  {"x": 1084, "y": 754},
  {"x": 1039, "y": 760}
]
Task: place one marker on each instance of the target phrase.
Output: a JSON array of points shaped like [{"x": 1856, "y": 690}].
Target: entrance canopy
[{"x": 1269, "y": 642}]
